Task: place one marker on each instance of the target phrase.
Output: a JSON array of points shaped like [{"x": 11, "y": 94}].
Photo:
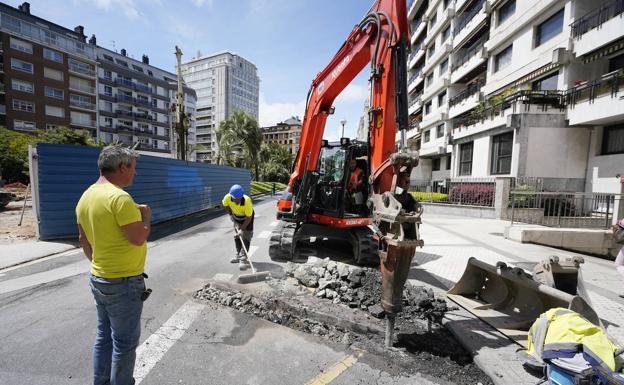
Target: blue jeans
[{"x": 119, "y": 309}]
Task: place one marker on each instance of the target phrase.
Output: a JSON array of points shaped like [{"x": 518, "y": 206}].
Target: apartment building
[
  {"x": 135, "y": 99},
  {"x": 286, "y": 133},
  {"x": 47, "y": 73},
  {"x": 520, "y": 94},
  {"x": 224, "y": 82}
]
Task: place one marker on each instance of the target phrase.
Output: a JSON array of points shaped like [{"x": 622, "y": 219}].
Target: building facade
[
  {"x": 135, "y": 101},
  {"x": 518, "y": 88},
  {"x": 224, "y": 83},
  {"x": 286, "y": 133},
  {"x": 47, "y": 74}
]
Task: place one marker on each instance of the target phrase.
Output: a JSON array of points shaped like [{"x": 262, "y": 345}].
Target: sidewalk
[
  {"x": 19, "y": 252},
  {"x": 450, "y": 241}
]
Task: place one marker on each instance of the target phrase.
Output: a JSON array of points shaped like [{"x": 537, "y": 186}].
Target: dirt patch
[
  {"x": 422, "y": 344},
  {"x": 10, "y": 231}
]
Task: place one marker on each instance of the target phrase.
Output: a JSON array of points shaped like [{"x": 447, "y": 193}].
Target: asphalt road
[{"x": 47, "y": 321}]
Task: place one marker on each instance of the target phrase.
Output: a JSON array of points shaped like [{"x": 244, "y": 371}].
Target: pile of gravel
[{"x": 360, "y": 287}]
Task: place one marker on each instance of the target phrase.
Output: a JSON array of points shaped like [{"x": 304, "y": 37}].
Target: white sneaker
[
  {"x": 236, "y": 259},
  {"x": 243, "y": 264}
]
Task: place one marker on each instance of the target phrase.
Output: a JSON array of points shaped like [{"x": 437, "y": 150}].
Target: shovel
[{"x": 254, "y": 276}]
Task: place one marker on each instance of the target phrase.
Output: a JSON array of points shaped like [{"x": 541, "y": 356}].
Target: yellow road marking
[{"x": 332, "y": 373}]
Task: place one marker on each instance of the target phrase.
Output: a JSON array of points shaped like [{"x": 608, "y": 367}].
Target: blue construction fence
[{"x": 172, "y": 188}]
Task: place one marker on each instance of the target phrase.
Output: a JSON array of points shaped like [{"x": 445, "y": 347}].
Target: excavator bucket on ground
[{"x": 510, "y": 300}]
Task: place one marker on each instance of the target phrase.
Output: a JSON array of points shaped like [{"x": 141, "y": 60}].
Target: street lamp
[{"x": 343, "y": 122}]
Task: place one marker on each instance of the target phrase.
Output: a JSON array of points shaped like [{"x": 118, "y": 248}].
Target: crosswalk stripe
[
  {"x": 155, "y": 346},
  {"x": 265, "y": 234}
]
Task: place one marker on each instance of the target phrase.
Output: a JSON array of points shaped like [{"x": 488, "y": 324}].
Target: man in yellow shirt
[
  {"x": 241, "y": 211},
  {"x": 113, "y": 232}
]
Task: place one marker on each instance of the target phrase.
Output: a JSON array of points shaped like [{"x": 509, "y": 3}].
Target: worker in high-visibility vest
[{"x": 357, "y": 186}]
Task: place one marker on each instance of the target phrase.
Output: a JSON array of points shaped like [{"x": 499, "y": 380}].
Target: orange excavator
[{"x": 320, "y": 201}]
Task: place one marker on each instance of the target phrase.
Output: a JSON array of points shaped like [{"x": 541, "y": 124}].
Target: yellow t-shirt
[
  {"x": 239, "y": 211},
  {"x": 101, "y": 211}
]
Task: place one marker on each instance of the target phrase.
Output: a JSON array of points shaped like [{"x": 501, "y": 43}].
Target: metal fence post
[
  {"x": 607, "y": 221},
  {"x": 513, "y": 206},
  {"x": 559, "y": 211}
]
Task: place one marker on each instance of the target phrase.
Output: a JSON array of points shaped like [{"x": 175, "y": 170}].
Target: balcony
[
  {"x": 143, "y": 88},
  {"x": 81, "y": 88},
  {"x": 83, "y": 123},
  {"x": 124, "y": 98},
  {"x": 464, "y": 61},
  {"x": 436, "y": 86},
  {"x": 413, "y": 6},
  {"x": 82, "y": 104},
  {"x": 598, "y": 27},
  {"x": 143, "y": 116},
  {"x": 433, "y": 118},
  {"x": 417, "y": 28},
  {"x": 80, "y": 70},
  {"x": 417, "y": 53},
  {"x": 124, "y": 83},
  {"x": 440, "y": 53},
  {"x": 468, "y": 21},
  {"x": 466, "y": 99},
  {"x": 442, "y": 19},
  {"x": 142, "y": 102},
  {"x": 597, "y": 102},
  {"x": 495, "y": 115},
  {"x": 124, "y": 128},
  {"x": 414, "y": 80},
  {"x": 435, "y": 146},
  {"x": 414, "y": 104},
  {"x": 124, "y": 113}
]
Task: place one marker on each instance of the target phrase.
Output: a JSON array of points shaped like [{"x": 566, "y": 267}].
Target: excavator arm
[{"x": 381, "y": 39}]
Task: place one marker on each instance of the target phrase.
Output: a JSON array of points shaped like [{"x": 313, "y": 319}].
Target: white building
[
  {"x": 134, "y": 103},
  {"x": 224, "y": 83},
  {"x": 519, "y": 88}
]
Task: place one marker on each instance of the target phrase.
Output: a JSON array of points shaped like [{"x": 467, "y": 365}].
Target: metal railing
[
  {"x": 124, "y": 113},
  {"x": 557, "y": 209},
  {"x": 415, "y": 75},
  {"x": 124, "y": 82},
  {"x": 415, "y": 50},
  {"x": 456, "y": 191},
  {"x": 417, "y": 99},
  {"x": 472, "y": 89},
  {"x": 124, "y": 98},
  {"x": 608, "y": 83},
  {"x": 545, "y": 99},
  {"x": 469, "y": 53},
  {"x": 607, "y": 11},
  {"x": 144, "y": 88},
  {"x": 467, "y": 16},
  {"x": 82, "y": 104},
  {"x": 81, "y": 88},
  {"x": 81, "y": 70},
  {"x": 83, "y": 122}
]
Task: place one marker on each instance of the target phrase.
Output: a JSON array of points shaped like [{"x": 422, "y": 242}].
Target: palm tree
[
  {"x": 239, "y": 139},
  {"x": 276, "y": 162}
]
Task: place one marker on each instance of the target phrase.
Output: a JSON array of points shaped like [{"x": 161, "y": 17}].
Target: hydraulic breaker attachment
[
  {"x": 399, "y": 237},
  {"x": 510, "y": 300}
]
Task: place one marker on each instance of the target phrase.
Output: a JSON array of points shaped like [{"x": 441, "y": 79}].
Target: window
[
  {"x": 23, "y": 86},
  {"x": 441, "y": 98},
  {"x": 107, "y": 106},
  {"x": 446, "y": 33},
  {"x": 121, "y": 62},
  {"x": 427, "y": 136},
  {"x": 108, "y": 122},
  {"x": 549, "y": 29},
  {"x": 51, "y": 126},
  {"x": 429, "y": 79},
  {"x": 502, "y": 146},
  {"x": 108, "y": 90},
  {"x": 444, "y": 66},
  {"x": 137, "y": 68},
  {"x": 108, "y": 57},
  {"x": 23, "y": 105},
  {"x": 428, "y": 108},
  {"x": 52, "y": 55},
  {"x": 59, "y": 112},
  {"x": 435, "y": 164},
  {"x": 506, "y": 11},
  {"x": 21, "y": 45},
  {"x": 21, "y": 65},
  {"x": 54, "y": 93},
  {"x": 465, "y": 158},
  {"x": 431, "y": 50},
  {"x": 613, "y": 139},
  {"x": 434, "y": 19},
  {"x": 108, "y": 75},
  {"x": 440, "y": 131},
  {"x": 547, "y": 83},
  {"x": 448, "y": 162},
  {"x": 52, "y": 74},
  {"x": 616, "y": 63},
  {"x": 22, "y": 125},
  {"x": 503, "y": 59}
]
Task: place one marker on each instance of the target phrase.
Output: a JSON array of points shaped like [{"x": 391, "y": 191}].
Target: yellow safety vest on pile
[{"x": 561, "y": 332}]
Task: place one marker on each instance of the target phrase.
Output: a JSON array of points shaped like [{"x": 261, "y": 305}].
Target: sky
[{"x": 289, "y": 41}]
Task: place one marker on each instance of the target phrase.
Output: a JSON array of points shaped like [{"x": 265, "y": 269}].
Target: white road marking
[
  {"x": 155, "y": 346},
  {"x": 252, "y": 250},
  {"x": 265, "y": 234},
  {"x": 44, "y": 277},
  {"x": 274, "y": 223},
  {"x": 63, "y": 254}
]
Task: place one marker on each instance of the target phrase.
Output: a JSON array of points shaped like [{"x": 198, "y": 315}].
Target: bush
[
  {"x": 430, "y": 197},
  {"x": 265, "y": 187},
  {"x": 14, "y": 155},
  {"x": 474, "y": 194}
]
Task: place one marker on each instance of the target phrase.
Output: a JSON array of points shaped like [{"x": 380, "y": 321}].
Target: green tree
[
  {"x": 275, "y": 161},
  {"x": 240, "y": 139},
  {"x": 14, "y": 155},
  {"x": 63, "y": 135}
]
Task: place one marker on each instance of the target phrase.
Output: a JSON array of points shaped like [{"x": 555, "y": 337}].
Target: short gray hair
[{"x": 114, "y": 155}]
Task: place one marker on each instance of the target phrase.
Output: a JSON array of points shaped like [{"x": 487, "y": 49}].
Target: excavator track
[
  {"x": 365, "y": 248},
  {"x": 281, "y": 245}
]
